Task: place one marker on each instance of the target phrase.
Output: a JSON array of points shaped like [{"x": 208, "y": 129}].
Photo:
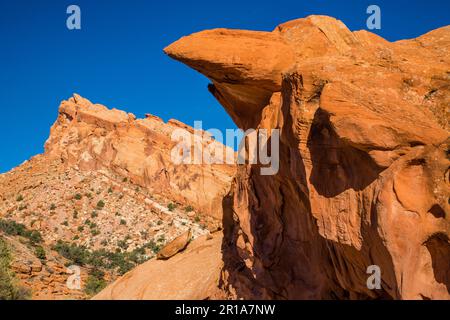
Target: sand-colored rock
[
  {"x": 92, "y": 137},
  {"x": 363, "y": 176},
  {"x": 176, "y": 245},
  {"x": 191, "y": 274},
  {"x": 106, "y": 182}
]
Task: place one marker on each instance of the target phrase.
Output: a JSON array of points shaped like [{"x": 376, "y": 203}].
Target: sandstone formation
[
  {"x": 106, "y": 184},
  {"x": 364, "y": 159},
  {"x": 191, "y": 274},
  {"x": 47, "y": 280},
  {"x": 91, "y": 137},
  {"x": 176, "y": 245}
]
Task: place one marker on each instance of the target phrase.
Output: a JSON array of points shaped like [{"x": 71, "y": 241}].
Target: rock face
[
  {"x": 176, "y": 245},
  {"x": 106, "y": 185},
  {"x": 46, "y": 280},
  {"x": 191, "y": 274},
  {"x": 91, "y": 137},
  {"x": 364, "y": 159}
]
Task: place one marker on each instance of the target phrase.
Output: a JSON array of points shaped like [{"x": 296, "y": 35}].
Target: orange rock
[
  {"x": 191, "y": 274},
  {"x": 176, "y": 245},
  {"x": 363, "y": 176}
]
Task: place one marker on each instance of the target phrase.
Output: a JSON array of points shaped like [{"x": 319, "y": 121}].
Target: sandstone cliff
[
  {"x": 364, "y": 159},
  {"x": 104, "y": 195},
  {"x": 91, "y": 137}
]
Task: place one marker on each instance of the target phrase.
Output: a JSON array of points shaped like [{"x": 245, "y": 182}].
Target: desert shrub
[
  {"x": 94, "y": 214},
  {"x": 78, "y": 255},
  {"x": 80, "y": 228},
  {"x": 153, "y": 246},
  {"x": 188, "y": 209},
  {"x": 9, "y": 289},
  {"x": 171, "y": 206},
  {"x": 122, "y": 262},
  {"x": 123, "y": 222},
  {"x": 110, "y": 190},
  {"x": 40, "y": 253},
  {"x": 19, "y": 198},
  {"x": 65, "y": 223},
  {"x": 13, "y": 228},
  {"x": 197, "y": 219},
  {"x": 52, "y": 206},
  {"x": 78, "y": 196},
  {"x": 94, "y": 285},
  {"x": 100, "y": 204},
  {"x": 122, "y": 244},
  {"x": 95, "y": 232},
  {"x": 75, "y": 214}
]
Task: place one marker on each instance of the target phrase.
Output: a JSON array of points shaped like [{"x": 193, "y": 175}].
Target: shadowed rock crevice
[
  {"x": 336, "y": 165},
  {"x": 439, "y": 247}
]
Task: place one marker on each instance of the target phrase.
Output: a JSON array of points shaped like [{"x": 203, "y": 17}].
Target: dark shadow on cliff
[
  {"x": 439, "y": 247},
  {"x": 336, "y": 165}
]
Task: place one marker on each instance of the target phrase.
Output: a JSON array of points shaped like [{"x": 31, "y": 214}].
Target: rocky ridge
[{"x": 106, "y": 184}]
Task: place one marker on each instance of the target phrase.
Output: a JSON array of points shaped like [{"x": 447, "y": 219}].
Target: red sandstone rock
[
  {"x": 364, "y": 160},
  {"x": 191, "y": 274}
]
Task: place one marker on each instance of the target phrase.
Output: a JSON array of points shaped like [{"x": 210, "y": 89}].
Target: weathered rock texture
[
  {"x": 191, "y": 274},
  {"x": 176, "y": 245},
  {"x": 106, "y": 182},
  {"x": 92, "y": 137},
  {"x": 364, "y": 159}
]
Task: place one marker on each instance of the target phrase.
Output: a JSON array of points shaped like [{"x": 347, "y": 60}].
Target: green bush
[
  {"x": 94, "y": 285},
  {"x": 123, "y": 222},
  {"x": 94, "y": 214},
  {"x": 40, "y": 253},
  {"x": 102, "y": 259},
  {"x": 100, "y": 204},
  {"x": 75, "y": 214},
  {"x": 122, "y": 244},
  {"x": 171, "y": 206},
  {"x": 52, "y": 206},
  {"x": 9, "y": 289},
  {"x": 78, "y": 196},
  {"x": 19, "y": 198},
  {"x": 13, "y": 228},
  {"x": 188, "y": 209}
]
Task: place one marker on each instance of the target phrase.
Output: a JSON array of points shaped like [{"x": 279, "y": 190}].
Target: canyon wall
[
  {"x": 92, "y": 137},
  {"x": 364, "y": 160}
]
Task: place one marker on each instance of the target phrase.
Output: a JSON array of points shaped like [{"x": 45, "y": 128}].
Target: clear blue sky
[{"x": 117, "y": 59}]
